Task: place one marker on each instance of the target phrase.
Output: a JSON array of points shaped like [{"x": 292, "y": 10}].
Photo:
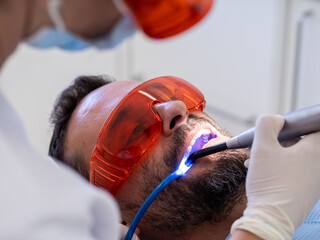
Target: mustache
[
  {"x": 179, "y": 138},
  {"x": 193, "y": 120}
]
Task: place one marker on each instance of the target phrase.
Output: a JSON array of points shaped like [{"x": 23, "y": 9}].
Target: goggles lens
[
  {"x": 166, "y": 18},
  {"x": 134, "y": 126}
]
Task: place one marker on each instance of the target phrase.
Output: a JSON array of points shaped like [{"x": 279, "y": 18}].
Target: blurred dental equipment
[{"x": 165, "y": 18}]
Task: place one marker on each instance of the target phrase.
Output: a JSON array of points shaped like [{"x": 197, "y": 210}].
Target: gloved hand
[
  {"x": 123, "y": 232},
  {"x": 282, "y": 184}
]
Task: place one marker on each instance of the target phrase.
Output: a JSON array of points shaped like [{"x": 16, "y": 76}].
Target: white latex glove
[
  {"x": 123, "y": 232},
  {"x": 282, "y": 184}
]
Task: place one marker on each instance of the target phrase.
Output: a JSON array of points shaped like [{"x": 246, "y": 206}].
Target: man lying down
[{"x": 126, "y": 137}]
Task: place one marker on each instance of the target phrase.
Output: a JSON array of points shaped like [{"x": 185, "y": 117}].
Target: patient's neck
[{"x": 205, "y": 230}]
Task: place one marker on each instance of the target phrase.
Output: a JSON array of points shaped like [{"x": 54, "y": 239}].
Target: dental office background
[{"x": 248, "y": 57}]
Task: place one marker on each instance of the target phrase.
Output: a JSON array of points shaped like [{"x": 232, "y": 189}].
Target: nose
[{"x": 173, "y": 114}]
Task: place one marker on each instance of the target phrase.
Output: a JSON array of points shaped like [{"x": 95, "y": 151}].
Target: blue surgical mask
[{"x": 60, "y": 37}]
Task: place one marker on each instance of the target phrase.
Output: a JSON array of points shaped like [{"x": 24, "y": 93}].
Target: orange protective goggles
[
  {"x": 134, "y": 126},
  {"x": 166, "y": 18}
]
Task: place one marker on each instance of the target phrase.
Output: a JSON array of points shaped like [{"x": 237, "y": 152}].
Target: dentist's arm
[{"x": 282, "y": 184}]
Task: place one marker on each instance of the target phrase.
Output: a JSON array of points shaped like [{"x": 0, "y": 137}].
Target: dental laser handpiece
[{"x": 297, "y": 123}]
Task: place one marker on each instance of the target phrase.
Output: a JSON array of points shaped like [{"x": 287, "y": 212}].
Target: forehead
[
  {"x": 90, "y": 114},
  {"x": 104, "y": 99}
]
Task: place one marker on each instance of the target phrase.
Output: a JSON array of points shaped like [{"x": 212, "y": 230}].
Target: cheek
[
  {"x": 146, "y": 168},
  {"x": 154, "y": 164},
  {"x": 152, "y": 170},
  {"x": 132, "y": 186}
]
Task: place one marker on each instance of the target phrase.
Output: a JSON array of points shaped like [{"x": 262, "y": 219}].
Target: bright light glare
[
  {"x": 199, "y": 136},
  {"x": 183, "y": 167}
]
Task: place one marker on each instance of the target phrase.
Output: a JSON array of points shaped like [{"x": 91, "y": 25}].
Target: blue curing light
[{"x": 183, "y": 166}]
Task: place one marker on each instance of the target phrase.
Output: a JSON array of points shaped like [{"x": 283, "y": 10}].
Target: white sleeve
[{"x": 42, "y": 201}]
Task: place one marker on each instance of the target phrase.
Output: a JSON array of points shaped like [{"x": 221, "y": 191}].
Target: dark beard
[{"x": 190, "y": 201}]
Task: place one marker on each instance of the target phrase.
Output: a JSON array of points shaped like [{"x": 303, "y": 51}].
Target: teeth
[
  {"x": 189, "y": 148},
  {"x": 205, "y": 135},
  {"x": 201, "y": 132},
  {"x": 204, "y": 132}
]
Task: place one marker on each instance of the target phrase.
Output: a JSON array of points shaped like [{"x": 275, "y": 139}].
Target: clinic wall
[
  {"x": 31, "y": 80},
  {"x": 302, "y": 54}
]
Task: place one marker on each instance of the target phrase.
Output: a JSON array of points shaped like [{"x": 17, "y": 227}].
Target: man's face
[{"x": 209, "y": 190}]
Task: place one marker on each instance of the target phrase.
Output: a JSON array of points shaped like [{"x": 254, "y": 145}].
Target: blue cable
[{"x": 177, "y": 173}]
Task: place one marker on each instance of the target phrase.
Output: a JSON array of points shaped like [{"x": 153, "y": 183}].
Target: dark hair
[{"x": 64, "y": 106}]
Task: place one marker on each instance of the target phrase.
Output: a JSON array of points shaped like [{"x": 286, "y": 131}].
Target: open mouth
[
  {"x": 197, "y": 143},
  {"x": 201, "y": 139}
]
